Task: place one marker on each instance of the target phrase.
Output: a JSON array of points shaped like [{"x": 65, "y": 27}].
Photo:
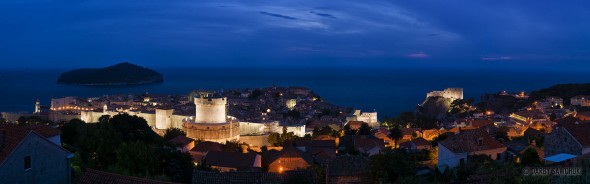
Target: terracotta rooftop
[
  {"x": 10, "y": 138},
  {"x": 230, "y": 159},
  {"x": 421, "y": 142},
  {"x": 12, "y": 135},
  {"x": 410, "y": 131},
  {"x": 355, "y": 124},
  {"x": 91, "y": 176},
  {"x": 368, "y": 142},
  {"x": 44, "y": 130},
  {"x": 289, "y": 152},
  {"x": 181, "y": 140},
  {"x": 469, "y": 141}
]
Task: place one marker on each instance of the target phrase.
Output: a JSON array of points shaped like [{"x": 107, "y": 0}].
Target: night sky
[{"x": 498, "y": 34}]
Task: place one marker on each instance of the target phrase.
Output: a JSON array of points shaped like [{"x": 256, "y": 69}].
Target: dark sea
[{"x": 387, "y": 91}]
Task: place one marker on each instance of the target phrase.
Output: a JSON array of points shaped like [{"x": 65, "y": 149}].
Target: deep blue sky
[{"x": 169, "y": 33}]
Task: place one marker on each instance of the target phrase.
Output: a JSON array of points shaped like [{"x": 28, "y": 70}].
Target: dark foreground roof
[
  {"x": 12, "y": 135},
  {"x": 348, "y": 165},
  {"x": 181, "y": 140},
  {"x": 207, "y": 177},
  {"x": 230, "y": 159},
  {"x": 92, "y": 176}
]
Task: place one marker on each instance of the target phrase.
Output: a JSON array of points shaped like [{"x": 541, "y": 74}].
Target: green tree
[
  {"x": 127, "y": 145},
  {"x": 395, "y": 135},
  {"x": 274, "y": 139},
  {"x": 348, "y": 131},
  {"x": 33, "y": 120},
  {"x": 327, "y": 130},
  {"x": 137, "y": 159},
  {"x": 530, "y": 157},
  {"x": 365, "y": 129},
  {"x": 391, "y": 165},
  {"x": 502, "y": 133},
  {"x": 70, "y": 130}
]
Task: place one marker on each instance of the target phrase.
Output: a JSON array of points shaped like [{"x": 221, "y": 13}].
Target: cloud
[
  {"x": 323, "y": 14},
  {"x": 496, "y": 58},
  {"x": 418, "y": 55},
  {"x": 277, "y": 15}
]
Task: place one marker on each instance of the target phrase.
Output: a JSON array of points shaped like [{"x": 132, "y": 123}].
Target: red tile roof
[
  {"x": 181, "y": 140},
  {"x": 207, "y": 146},
  {"x": 368, "y": 142},
  {"x": 44, "y": 130},
  {"x": 410, "y": 131},
  {"x": 355, "y": 124},
  {"x": 289, "y": 152},
  {"x": 92, "y": 176},
  {"x": 10, "y": 137},
  {"x": 468, "y": 141},
  {"x": 421, "y": 142}
]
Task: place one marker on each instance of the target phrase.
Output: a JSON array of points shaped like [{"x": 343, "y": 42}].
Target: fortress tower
[
  {"x": 453, "y": 93},
  {"x": 211, "y": 122},
  {"x": 210, "y": 109},
  {"x": 164, "y": 118}
]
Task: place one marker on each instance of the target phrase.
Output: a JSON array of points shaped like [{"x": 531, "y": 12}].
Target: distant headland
[{"x": 121, "y": 74}]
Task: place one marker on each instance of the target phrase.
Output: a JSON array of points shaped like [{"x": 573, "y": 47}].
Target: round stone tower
[
  {"x": 211, "y": 122},
  {"x": 210, "y": 109}
]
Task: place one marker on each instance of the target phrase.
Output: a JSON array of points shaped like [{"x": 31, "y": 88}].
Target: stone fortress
[
  {"x": 452, "y": 93},
  {"x": 210, "y": 121},
  {"x": 243, "y": 115}
]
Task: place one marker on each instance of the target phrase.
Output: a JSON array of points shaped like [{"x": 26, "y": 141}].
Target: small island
[{"x": 117, "y": 75}]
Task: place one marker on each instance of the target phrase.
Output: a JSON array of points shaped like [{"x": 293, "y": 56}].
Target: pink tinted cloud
[{"x": 418, "y": 55}]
